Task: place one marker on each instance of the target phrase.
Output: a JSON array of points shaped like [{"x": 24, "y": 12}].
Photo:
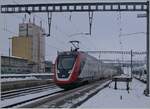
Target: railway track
[
  {"x": 71, "y": 98},
  {"x": 17, "y": 97},
  {"x": 55, "y": 97},
  {"x": 25, "y": 91}
]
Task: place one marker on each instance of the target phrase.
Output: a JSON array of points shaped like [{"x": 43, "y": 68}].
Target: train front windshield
[{"x": 65, "y": 62}]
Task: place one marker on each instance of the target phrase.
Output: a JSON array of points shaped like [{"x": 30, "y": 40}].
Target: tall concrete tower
[{"x": 30, "y": 44}]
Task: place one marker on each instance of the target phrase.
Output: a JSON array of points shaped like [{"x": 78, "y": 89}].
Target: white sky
[{"x": 105, "y": 29}]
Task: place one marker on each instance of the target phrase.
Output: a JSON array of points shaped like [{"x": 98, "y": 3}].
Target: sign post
[{"x": 147, "y": 91}]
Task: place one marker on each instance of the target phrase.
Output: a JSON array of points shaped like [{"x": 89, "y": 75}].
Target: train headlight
[
  {"x": 58, "y": 71},
  {"x": 70, "y": 71}
]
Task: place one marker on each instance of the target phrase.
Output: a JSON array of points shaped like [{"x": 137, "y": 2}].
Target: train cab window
[{"x": 66, "y": 62}]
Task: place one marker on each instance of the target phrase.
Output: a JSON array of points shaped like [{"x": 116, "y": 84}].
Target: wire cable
[
  {"x": 129, "y": 34},
  {"x": 55, "y": 26}
]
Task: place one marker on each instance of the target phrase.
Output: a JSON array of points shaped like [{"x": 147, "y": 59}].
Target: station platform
[{"x": 120, "y": 97}]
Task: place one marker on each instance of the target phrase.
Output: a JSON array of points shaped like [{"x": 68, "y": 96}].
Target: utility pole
[
  {"x": 147, "y": 90},
  {"x": 148, "y": 53},
  {"x": 131, "y": 63}
]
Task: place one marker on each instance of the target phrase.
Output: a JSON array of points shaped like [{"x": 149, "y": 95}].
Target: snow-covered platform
[{"x": 120, "y": 98}]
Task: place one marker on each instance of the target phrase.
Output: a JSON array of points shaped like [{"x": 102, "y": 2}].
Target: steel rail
[
  {"x": 24, "y": 92},
  {"x": 57, "y": 101},
  {"x": 30, "y": 99}
]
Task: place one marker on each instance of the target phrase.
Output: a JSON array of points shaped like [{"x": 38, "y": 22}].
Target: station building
[
  {"x": 14, "y": 65},
  {"x": 19, "y": 65}
]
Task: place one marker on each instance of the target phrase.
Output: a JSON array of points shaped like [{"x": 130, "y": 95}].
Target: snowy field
[{"x": 120, "y": 98}]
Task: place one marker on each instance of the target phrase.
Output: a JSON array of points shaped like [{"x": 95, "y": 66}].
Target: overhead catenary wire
[
  {"x": 56, "y": 27},
  {"x": 84, "y": 45},
  {"x": 130, "y": 34},
  {"x": 52, "y": 36},
  {"x": 7, "y": 30},
  {"x": 81, "y": 32},
  {"x": 12, "y": 32},
  {"x": 73, "y": 24}
]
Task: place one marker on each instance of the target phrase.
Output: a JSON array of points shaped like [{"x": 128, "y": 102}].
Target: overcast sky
[{"x": 105, "y": 29}]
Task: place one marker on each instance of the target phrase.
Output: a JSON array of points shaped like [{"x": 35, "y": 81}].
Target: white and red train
[{"x": 73, "y": 68}]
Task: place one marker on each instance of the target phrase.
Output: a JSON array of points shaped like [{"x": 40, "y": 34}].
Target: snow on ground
[
  {"x": 17, "y": 79},
  {"x": 120, "y": 98},
  {"x": 30, "y": 74},
  {"x": 27, "y": 97}
]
